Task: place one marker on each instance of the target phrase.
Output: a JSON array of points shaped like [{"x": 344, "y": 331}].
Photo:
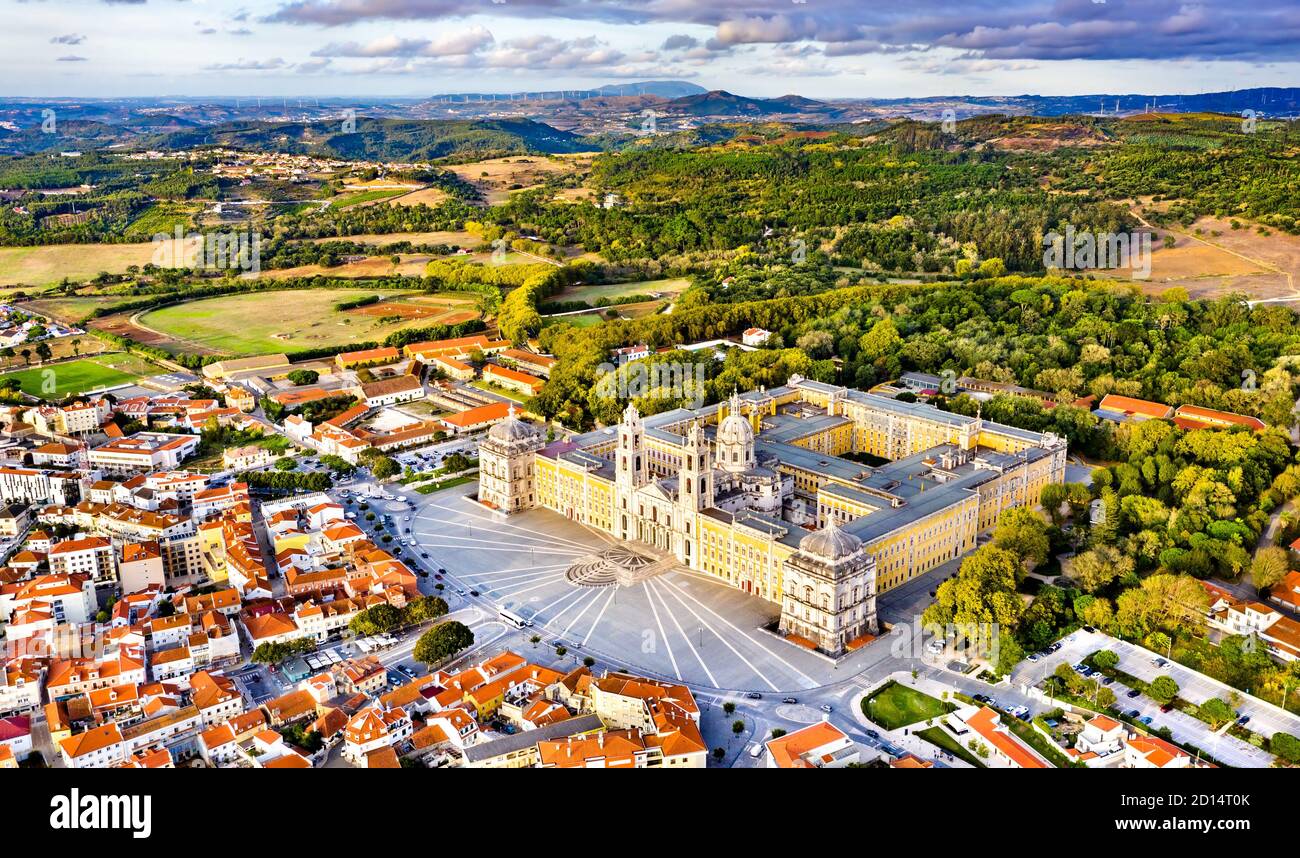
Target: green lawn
[
  {"x": 896, "y": 706},
  {"x": 365, "y": 197},
  {"x": 591, "y": 293},
  {"x": 937, "y": 736},
  {"x": 61, "y": 379},
  {"x": 273, "y": 321}
]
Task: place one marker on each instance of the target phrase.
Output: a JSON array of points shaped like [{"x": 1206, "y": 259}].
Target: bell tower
[{"x": 631, "y": 470}]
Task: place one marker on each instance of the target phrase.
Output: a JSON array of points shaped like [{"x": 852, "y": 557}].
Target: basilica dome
[
  {"x": 830, "y": 543},
  {"x": 512, "y": 429}
]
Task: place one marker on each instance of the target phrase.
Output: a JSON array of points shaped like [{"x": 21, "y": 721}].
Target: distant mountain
[
  {"x": 661, "y": 88},
  {"x": 719, "y": 102},
  {"x": 1265, "y": 101},
  {"x": 384, "y": 139}
]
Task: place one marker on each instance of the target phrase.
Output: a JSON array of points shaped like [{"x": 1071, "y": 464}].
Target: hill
[{"x": 385, "y": 139}]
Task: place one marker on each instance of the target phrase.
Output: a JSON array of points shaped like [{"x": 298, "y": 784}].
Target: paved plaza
[{"x": 619, "y": 603}]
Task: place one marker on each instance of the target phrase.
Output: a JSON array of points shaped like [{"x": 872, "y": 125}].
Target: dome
[
  {"x": 512, "y": 429},
  {"x": 830, "y": 543},
  {"x": 735, "y": 430}
]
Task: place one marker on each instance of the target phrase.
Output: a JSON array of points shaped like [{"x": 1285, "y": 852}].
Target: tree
[
  {"x": 1021, "y": 531},
  {"x": 442, "y": 641},
  {"x": 1105, "y": 698},
  {"x": 1216, "y": 712},
  {"x": 1053, "y": 498},
  {"x": 1105, "y": 660},
  {"x": 737, "y": 726},
  {"x": 728, "y": 707},
  {"x": 1163, "y": 689},
  {"x": 719, "y": 753},
  {"x": 1286, "y": 746},
  {"x": 1096, "y": 569},
  {"x": 44, "y": 352},
  {"x": 588, "y": 661},
  {"x": 423, "y": 609},
  {"x": 535, "y": 640},
  {"x": 384, "y": 468},
  {"x": 561, "y": 651},
  {"x": 1269, "y": 567},
  {"x": 303, "y": 376}
]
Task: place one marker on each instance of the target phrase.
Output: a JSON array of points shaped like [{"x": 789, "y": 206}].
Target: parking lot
[{"x": 1193, "y": 687}]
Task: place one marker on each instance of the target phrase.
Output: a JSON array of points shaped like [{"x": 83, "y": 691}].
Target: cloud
[
  {"x": 241, "y": 64},
  {"x": 680, "y": 42},
  {"x": 68, "y": 39},
  {"x": 71, "y": 58},
  {"x": 997, "y": 29},
  {"x": 452, "y": 44}
]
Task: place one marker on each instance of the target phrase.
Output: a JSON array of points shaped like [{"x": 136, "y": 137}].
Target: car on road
[
  {"x": 473, "y": 592},
  {"x": 789, "y": 700},
  {"x": 459, "y": 591},
  {"x": 873, "y": 734},
  {"x": 825, "y": 707},
  {"x": 424, "y": 554},
  {"x": 754, "y": 695}
]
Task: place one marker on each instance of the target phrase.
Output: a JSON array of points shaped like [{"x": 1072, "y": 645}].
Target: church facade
[{"x": 768, "y": 492}]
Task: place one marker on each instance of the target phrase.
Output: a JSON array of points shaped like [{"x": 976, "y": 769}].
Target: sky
[{"x": 817, "y": 48}]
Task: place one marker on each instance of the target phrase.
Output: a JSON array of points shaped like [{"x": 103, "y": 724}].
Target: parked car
[
  {"x": 1146, "y": 719},
  {"x": 1167, "y": 707},
  {"x": 1243, "y": 720},
  {"x": 1133, "y": 713},
  {"x": 1134, "y": 693}
]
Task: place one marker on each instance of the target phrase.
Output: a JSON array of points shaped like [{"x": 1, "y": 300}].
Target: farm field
[
  {"x": 74, "y": 308},
  {"x": 497, "y": 178},
  {"x": 611, "y": 291},
  {"x": 49, "y": 264},
  {"x": 82, "y": 375},
  {"x": 290, "y": 320},
  {"x": 459, "y": 238}
]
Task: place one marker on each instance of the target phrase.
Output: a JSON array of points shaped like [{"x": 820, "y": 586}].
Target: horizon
[{"x": 828, "y": 49}]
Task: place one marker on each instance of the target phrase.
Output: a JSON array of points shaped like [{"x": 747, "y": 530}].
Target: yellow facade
[{"x": 1003, "y": 467}]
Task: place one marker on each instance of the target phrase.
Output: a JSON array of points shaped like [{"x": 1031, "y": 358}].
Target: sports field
[
  {"x": 61, "y": 379},
  {"x": 261, "y": 322}
]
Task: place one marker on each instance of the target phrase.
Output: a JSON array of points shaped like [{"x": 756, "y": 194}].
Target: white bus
[{"x": 514, "y": 619}]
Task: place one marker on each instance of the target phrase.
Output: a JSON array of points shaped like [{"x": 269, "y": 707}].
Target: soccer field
[{"x": 61, "y": 379}]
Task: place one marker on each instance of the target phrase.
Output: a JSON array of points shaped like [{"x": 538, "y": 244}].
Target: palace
[{"x": 759, "y": 493}]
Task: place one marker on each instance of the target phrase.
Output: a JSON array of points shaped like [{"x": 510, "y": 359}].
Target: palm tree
[{"x": 76, "y": 346}]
